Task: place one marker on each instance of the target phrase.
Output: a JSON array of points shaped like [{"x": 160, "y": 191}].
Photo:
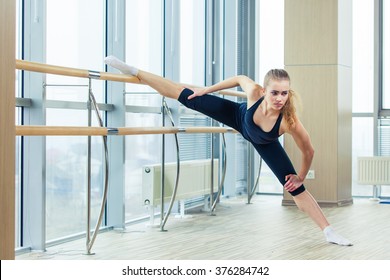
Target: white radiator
[
  {"x": 194, "y": 180},
  {"x": 374, "y": 170}
]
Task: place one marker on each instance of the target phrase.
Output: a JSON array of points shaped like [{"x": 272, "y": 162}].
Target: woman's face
[{"x": 276, "y": 93}]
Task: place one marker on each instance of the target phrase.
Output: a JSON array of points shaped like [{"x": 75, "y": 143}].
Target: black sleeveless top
[{"x": 252, "y": 132}]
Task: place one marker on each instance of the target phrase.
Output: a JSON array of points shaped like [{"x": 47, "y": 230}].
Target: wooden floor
[{"x": 263, "y": 230}]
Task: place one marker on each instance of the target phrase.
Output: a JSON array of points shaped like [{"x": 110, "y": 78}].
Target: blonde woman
[{"x": 268, "y": 113}]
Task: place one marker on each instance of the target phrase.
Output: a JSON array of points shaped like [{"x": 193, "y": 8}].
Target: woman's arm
[
  {"x": 252, "y": 90},
  {"x": 302, "y": 139}
]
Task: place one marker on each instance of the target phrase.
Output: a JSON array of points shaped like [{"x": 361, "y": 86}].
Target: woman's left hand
[
  {"x": 292, "y": 182},
  {"x": 197, "y": 92}
]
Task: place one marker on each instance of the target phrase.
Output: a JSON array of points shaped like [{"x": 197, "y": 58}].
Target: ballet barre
[
  {"x": 41, "y": 130},
  {"x": 91, "y": 74},
  {"x": 74, "y": 72}
]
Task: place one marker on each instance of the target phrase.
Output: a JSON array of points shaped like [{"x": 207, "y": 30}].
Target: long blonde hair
[{"x": 289, "y": 109}]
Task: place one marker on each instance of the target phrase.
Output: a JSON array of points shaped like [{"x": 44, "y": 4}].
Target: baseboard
[{"x": 344, "y": 202}]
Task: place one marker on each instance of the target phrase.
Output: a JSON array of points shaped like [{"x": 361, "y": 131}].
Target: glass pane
[
  {"x": 271, "y": 56},
  {"x": 143, "y": 50},
  {"x": 71, "y": 89},
  {"x": 140, "y": 150},
  {"x": 192, "y": 71},
  {"x": 144, "y": 38},
  {"x": 386, "y": 56},
  {"x": 18, "y": 47},
  {"x": 363, "y": 54},
  {"x": 66, "y": 176},
  {"x": 384, "y": 137},
  {"x": 362, "y": 145},
  {"x": 385, "y": 191},
  {"x": 18, "y": 181},
  {"x": 75, "y": 38},
  {"x": 192, "y": 42},
  {"x": 18, "y": 146}
]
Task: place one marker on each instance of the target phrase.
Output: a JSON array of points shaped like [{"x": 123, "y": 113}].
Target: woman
[{"x": 268, "y": 113}]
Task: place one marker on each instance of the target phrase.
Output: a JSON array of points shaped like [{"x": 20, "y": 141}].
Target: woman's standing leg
[
  {"x": 278, "y": 161},
  {"x": 306, "y": 203}
]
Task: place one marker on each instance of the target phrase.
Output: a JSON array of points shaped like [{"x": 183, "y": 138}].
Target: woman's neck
[{"x": 267, "y": 109}]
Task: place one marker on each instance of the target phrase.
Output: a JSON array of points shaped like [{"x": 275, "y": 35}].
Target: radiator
[
  {"x": 194, "y": 180},
  {"x": 374, "y": 170}
]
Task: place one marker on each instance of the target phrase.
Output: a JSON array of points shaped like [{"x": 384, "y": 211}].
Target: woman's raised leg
[
  {"x": 162, "y": 85},
  {"x": 222, "y": 110}
]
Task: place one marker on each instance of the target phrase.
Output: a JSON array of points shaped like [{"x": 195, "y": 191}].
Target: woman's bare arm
[
  {"x": 253, "y": 91},
  {"x": 302, "y": 139}
]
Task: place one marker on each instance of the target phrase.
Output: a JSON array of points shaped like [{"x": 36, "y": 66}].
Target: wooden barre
[
  {"x": 73, "y": 72},
  {"x": 233, "y": 93},
  {"x": 27, "y": 130},
  {"x": 41, "y": 130},
  {"x": 82, "y": 73}
]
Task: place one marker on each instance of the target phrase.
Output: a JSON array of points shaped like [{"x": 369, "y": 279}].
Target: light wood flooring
[{"x": 263, "y": 230}]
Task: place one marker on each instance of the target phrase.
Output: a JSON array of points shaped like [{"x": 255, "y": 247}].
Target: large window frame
[
  {"x": 221, "y": 59},
  {"x": 382, "y": 89},
  {"x": 383, "y": 39},
  {"x": 33, "y": 234}
]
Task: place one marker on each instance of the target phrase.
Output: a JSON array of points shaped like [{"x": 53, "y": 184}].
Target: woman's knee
[
  {"x": 298, "y": 197},
  {"x": 183, "y": 98},
  {"x": 298, "y": 191}
]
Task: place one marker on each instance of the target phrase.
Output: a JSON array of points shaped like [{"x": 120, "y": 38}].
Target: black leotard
[
  {"x": 237, "y": 116},
  {"x": 253, "y": 132}
]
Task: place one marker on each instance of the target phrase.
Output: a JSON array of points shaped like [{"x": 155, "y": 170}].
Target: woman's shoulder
[
  {"x": 294, "y": 129},
  {"x": 255, "y": 93},
  {"x": 254, "y": 100}
]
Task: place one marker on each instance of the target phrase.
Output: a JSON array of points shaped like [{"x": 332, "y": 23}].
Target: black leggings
[{"x": 231, "y": 113}]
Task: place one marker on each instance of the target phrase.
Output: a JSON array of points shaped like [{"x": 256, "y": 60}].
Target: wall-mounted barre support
[
  {"x": 90, "y": 238},
  {"x": 251, "y": 191},
  {"x": 164, "y": 216}
]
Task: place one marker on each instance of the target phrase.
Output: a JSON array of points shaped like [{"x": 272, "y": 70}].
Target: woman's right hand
[{"x": 197, "y": 92}]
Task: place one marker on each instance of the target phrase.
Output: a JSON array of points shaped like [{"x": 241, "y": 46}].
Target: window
[
  {"x": 18, "y": 145},
  {"x": 143, "y": 50},
  {"x": 384, "y": 123},
  {"x": 192, "y": 42},
  {"x": 192, "y": 71},
  {"x": 386, "y": 56},
  {"x": 362, "y": 88},
  {"x": 18, "y": 182},
  {"x": 75, "y": 38},
  {"x": 270, "y": 56}
]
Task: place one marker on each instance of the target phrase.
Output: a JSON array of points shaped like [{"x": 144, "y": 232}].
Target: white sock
[
  {"x": 332, "y": 237},
  {"x": 120, "y": 65}
]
